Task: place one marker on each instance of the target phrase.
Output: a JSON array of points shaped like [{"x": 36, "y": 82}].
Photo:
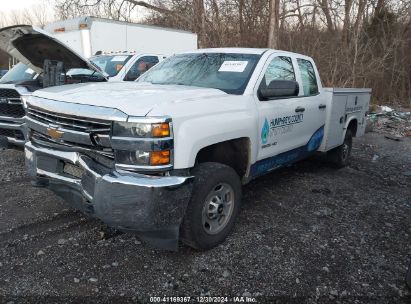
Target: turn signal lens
[
  {"x": 160, "y": 130},
  {"x": 159, "y": 158}
]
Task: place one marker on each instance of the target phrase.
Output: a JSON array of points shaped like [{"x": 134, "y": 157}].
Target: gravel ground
[{"x": 307, "y": 233}]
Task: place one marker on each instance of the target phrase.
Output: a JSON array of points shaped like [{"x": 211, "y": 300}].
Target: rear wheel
[
  {"x": 340, "y": 155},
  {"x": 213, "y": 207}
]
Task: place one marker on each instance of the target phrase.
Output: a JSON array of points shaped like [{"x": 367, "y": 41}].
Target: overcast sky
[
  {"x": 7, "y": 6},
  {"x": 11, "y": 5}
]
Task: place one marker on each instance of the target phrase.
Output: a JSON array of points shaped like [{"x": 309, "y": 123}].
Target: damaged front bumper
[
  {"x": 151, "y": 206},
  {"x": 13, "y": 129}
]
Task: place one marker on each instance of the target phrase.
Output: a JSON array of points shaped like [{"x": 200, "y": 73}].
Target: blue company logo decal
[
  {"x": 265, "y": 131},
  {"x": 268, "y": 164},
  {"x": 315, "y": 140}
]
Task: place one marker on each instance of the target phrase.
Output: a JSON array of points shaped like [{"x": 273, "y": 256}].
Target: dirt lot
[{"x": 307, "y": 233}]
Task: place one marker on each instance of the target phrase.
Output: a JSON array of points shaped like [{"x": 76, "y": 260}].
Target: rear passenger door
[{"x": 313, "y": 102}]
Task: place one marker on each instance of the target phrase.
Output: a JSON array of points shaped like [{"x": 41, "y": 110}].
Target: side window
[
  {"x": 141, "y": 66},
  {"x": 280, "y": 68},
  {"x": 308, "y": 77}
]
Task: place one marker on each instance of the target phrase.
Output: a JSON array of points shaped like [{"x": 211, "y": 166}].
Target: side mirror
[{"x": 279, "y": 88}]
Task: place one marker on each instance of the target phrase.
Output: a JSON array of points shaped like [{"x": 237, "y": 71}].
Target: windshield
[
  {"x": 111, "y": 64},
  {"x": 20, "y": 72},
  {"x": 227, "y": 72}
]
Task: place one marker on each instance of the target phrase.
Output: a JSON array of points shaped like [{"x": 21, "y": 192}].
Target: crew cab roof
[
  {"x": 237, "y": 50},
  {"x": 233, "y": 50}
]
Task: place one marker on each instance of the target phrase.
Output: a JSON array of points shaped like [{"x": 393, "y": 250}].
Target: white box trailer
[{"x": 89, "y": 35}]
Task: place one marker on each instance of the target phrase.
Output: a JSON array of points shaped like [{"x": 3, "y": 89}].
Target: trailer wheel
[
  {"x": 340, "y": 156},
  {"x": 213, "y": 207}
]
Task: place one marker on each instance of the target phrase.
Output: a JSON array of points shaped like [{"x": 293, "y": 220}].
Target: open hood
[{"x": 32, "y": 46}]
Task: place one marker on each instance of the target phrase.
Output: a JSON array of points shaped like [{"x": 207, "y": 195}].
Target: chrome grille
[
  {"x": 10, "y": 104},
  {"x": 75, "y": 133},
  {"x": 70, "y": 123},
  {"x": 92, "y": 151}
]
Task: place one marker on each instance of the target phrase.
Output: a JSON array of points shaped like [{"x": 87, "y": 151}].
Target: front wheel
[
  {"x": 213, "y": 207},
  {"x": 340, "y": 156}
]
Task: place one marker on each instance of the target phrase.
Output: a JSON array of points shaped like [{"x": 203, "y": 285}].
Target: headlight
[
  {"x": 143, "y": 144},
  {"x": 142, "y": 130},
  {"x": 141, "y": 158}
]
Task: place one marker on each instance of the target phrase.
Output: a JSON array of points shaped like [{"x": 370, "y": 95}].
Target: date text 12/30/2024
[{"x": 201, "y": 299}]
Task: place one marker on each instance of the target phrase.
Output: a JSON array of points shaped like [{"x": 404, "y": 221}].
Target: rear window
[{"x": 309, "y": 80}]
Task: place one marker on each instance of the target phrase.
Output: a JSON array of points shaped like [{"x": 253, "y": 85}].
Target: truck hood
[
  {"x": 132, "y": 98},
  {"x": 32, "y": 46}
]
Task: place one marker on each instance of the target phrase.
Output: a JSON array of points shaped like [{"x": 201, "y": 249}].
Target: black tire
[
  {"x": 208, "y": 178},
  {"x": 340, "y": 156}
]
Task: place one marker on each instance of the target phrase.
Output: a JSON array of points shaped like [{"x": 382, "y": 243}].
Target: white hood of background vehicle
[
  {"x": 32, "y": 46},
  {"x": 134, "y": 99}
]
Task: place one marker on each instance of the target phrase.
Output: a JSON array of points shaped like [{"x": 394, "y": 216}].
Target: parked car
[
  {"x": 11, "y": 106},
  {"x": 3, "y": 72},
  {"x": 166, "y": 156}
]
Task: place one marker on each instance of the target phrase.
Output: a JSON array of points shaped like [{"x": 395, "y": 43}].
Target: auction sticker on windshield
[{"x": 233, "y": 66}]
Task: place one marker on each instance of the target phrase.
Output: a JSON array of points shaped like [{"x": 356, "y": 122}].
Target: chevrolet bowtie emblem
[{"x": 54, "y": 133}]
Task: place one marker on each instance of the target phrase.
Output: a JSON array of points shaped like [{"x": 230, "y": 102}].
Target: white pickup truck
[{"x": 166, "y": 156}]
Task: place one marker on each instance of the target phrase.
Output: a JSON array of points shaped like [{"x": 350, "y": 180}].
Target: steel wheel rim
[{"x": 218, "y": 208}]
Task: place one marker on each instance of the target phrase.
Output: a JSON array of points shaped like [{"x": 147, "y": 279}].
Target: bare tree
[
  {"x": 327, "y": 13},
  {"x": 346, "y": 25},
  {"x": 274, "y": 24},
  {"x": 354, "y": 42}
]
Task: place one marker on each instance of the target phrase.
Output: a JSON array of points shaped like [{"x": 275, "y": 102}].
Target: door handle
[
  {"x": 322, "y": 106},
  {"x": 299, "y": 109}
]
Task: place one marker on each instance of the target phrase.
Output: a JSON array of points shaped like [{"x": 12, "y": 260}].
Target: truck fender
[
  {"x": 196, "y": 134},
  {"x": 352, "y": 123}
]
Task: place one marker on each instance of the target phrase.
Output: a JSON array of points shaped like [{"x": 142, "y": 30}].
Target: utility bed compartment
[{"x": 344, "y": 105}]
